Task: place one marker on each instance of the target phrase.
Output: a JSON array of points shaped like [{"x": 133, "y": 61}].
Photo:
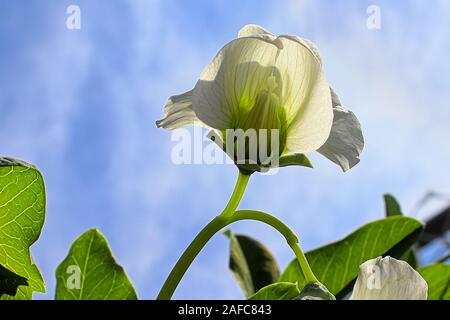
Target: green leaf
[
  {"x": 251, "y": 263},
  {"x": 277, "y": 291},
  {"x": 336, "y": 265},
  {"x": 9, "y": 281},
  {"x": 410, "y": 257},
  {"x": 392, "y": 206},
  {"x": 438, "y": 278},
  {"x": 22, "y": 212},
  {"x": 89, "y": 272},
  {"x": 295, "y": 159}
]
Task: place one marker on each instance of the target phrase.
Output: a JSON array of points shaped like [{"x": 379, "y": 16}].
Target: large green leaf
[
  {"x": 22, "y": 212},
  {"x": 251, "y": 263},
  {"x": 438, "y": 278},
  {"x": 277, "y": 291},
  {"x": 89, "y": 272},
  {"x": 336, "y": 265}
]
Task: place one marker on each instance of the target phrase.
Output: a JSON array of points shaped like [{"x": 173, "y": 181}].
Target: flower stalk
[{"x": 230, "y": 215}]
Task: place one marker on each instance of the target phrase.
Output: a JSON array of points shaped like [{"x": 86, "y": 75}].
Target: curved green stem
[
  {"x": 202, "y": 238},
  {"x": 227, "y": 217},
  {"x": 236, "y": 197},
  {"x": 266, "y": 218},
  {"x": 288, "y": 234},
  {"x": 180, "y": 268},
  {"x": 304, "y": 265}
]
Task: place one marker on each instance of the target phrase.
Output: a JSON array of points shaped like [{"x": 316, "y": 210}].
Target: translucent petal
[
  {"x": 178, "y": 113},
  {"x": 346, "y": 141},
  {"x": 313, "y": 111},
  {"x": 230, "y": 85},
  {"x": 253, "y": 30},
  {"x": 306, "y": 137},
  {"x": 231, "y": 82}
]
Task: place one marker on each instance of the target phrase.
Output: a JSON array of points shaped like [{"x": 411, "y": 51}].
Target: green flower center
[{"x": 260, "y": 131}]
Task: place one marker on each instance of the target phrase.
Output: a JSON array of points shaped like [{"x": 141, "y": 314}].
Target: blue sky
[{"x": 81, "y": 105}]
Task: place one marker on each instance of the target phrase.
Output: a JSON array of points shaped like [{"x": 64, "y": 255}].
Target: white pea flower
[
  {"x": 389, "y": 279},
  {"x": 261, "y": 81}
]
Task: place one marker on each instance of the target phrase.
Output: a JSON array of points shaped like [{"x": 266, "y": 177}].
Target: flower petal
[
  {"x": 311, "y": 104},
  {"x": 388, "y": 279},
  {"x": 253, "y": 30},
  {"x": 335, "y": 98},
  {"x": 241, "y": 69},
  {"x": 346, "y": 142},
  {"x": 308, "y": 136},
  {"x": 307, "y": 44},
  {"x": 231, "y": 82},
  {"x": 178, "y": 113}
]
